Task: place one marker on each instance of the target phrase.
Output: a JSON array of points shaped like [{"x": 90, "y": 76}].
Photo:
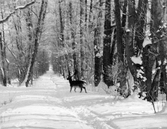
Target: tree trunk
[
  {"x": 149, "y": 59},
  {"x": 3, "y": 61},
  {"x": 86, "y": 15},
  {"x": 119, "y": 32},
  {"x": 141, "y": 18},
  {"x": 75, "y": 53},
  {"x": 62, "y": 38},
  {"x": 3, "y": 54},
  {"x": 129, "y": 50},
  {"x": 136, "y": 35},
  {"x": 107, "y": 43},
  {"x": 163, "y": 50},
  {"x": 90, "y": 24},
  {"x": 153, "y": 93},
  {"x": 36, "y": 37},
  {"x": 82, "y": 41},
  {"x": 98, "y": 46},
  {"x": 120, "y": 51}
]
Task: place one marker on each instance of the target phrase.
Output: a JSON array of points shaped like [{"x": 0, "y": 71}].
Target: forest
[{"x": 119, "y": 42}]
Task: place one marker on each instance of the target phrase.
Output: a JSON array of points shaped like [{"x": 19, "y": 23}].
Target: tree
[
  {"x": 35, "y": 40},
  {"x": 4, "y": 63},
  {"x": 122, "y": 74},
  {"x": 82, "y": 41},
  {"x": 98, "y": 45},
  {"x": 74, "y": 47},
  {"x": 3, "y": 53},
  {"x": 107, "y": 43},
  {"x": 15, "y": 10},
  {"x": 134, "y": 37},
  {"x": 155, "y": 52}
]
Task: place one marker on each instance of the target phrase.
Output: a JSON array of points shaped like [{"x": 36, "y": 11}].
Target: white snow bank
[
  {"x": 39, "y": 109},
  {"x": 143, "y": 122},
  {"x": 43, "y": 106},
  {"x": 146, "y": 41},
  {"x": 136, "y": 60},
  {"x": 87, "y": 97},
  {"x": 36, "y": 98},
  {"x": 44, "y": 116},
  {"x": 164, "y": 110},
  {"x": 128, "y": 107}
]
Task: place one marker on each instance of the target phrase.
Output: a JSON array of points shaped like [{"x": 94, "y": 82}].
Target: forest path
[
  {"x": 41, "y": 106},
  {"x": 48, "y": 104}
]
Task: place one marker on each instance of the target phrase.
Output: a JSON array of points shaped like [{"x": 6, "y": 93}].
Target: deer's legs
[
  {"x": 81, "y": 89},
  {"x": 85, "y": 89},
  {"x": 70, "y": 88},
  {"x": 75, "y": 89}
]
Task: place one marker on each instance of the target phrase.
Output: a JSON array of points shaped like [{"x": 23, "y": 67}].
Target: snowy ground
[{"x": 49, "y": 105}]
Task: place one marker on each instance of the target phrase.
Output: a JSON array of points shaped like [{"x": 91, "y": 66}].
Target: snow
[
  {"x": 146, "y": 41},
  {"x": 136, "y": 60},
  {"x": 48, "y": 104}
]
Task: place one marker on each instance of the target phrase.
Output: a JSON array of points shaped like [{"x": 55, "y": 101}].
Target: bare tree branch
[{"x": 17, "y": 8}]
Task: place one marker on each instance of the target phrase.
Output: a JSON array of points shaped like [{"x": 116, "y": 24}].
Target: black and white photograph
[{"x": 83, "y": 64}]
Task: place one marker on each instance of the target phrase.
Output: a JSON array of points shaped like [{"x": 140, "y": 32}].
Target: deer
[{"x": 76, "y": 83}]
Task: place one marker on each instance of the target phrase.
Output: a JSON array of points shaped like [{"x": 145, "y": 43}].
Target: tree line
[
  {"x": 99, "y": 40},
  {"x": 114, "y": 41},
  {"x": 21, "y": 29}
]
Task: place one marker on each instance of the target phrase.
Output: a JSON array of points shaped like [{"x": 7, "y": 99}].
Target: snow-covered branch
[{"x": 17, "y": 8}]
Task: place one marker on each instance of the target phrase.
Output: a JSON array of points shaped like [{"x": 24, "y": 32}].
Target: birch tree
[
  {"x": 36, "y": 37},
  {"x": 3, "y": 43}
]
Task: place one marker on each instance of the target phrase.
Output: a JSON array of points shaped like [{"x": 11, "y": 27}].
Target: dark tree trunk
[
  {"x": 82, "y": 42},
  {"x": 148, "y": 62},
  {"x": 163, "y": 51},
  {"x": 61, "y": 26},
  {"x": 3, "y": 61},
  {"x": 90, "y": 22},
  {"x": 75, "y": 53},
  {"x": 3, "y": 54},
  {"x": 124, "y": 15},
  {"x": 61, "y": 41},
  {"x": 120, "y": 51},
  {"x": 141, "y": 24},
  {"x": 153, "y": 93},
  {"x": 107, "y": 43},
  {"x": 113, "y": 46},
  {"x": 98, "y": 47},
  {"x": 119, "y": 32},
  {"x": 149, "y": 59},
  {"x": 136, "y": 34},
  {"x": 86, "y": 15},
  {"x": 129, "y": 50}
]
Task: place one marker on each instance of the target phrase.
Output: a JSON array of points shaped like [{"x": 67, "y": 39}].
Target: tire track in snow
[
  {"x": 45, "y": 116},
  {"x": 92, "y": 118},
  {"x": 32, "y": 110}
]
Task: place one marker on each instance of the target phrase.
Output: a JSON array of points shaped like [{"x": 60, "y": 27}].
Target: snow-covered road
[
  {"x": 37, "y": 108},
  {"x": 49, "y": 105}
]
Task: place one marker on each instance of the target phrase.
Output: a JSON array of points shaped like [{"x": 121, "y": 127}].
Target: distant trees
[
  {"x": 22, "y": 39},
  {"x": 42, "y": 63},
  {"x": 114, "y": 41},
  {"x": 3, "y": 44},
  {"x": 118, "y": 32}
]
